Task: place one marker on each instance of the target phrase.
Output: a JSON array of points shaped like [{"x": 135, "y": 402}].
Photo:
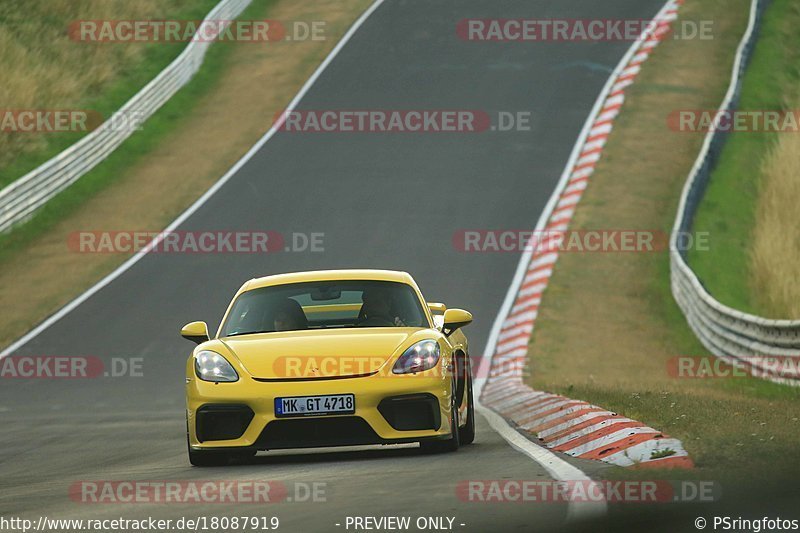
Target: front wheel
[
  {"x": 451, "y": 444},
  {"x": 466, "y": 435}
]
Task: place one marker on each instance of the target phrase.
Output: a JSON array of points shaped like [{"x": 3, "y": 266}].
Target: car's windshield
[{"x": 325, "y": 304}]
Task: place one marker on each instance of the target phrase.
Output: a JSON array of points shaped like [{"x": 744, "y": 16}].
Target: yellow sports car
[{"x": 328, "y": 358}]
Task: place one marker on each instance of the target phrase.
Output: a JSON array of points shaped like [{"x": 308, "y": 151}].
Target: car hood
[{"x": 319, "y": 354}]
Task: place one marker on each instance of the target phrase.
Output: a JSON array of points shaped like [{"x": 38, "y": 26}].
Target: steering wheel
[
  {"x": 362, "y": 318},
  {"x": 376, "y": 321}
]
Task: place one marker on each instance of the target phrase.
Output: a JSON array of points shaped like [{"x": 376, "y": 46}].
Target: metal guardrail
[
  {"x": 737, "y": 337},
  {"x": 20, "y": 199}
]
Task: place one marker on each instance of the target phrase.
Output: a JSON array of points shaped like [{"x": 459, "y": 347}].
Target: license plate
[{"x": 315, "y": 405}]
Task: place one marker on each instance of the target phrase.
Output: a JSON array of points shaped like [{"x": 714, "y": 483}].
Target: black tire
[
  {"x": 466, "y": 435},
  {"x": 451, "y": 444}
]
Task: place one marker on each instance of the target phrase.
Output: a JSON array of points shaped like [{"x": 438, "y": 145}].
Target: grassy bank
[
  {"x": 164, "y": 122},
  {"x": 608, "y": 326},
  {"x": 750, "y": 205},
  {"x": 44, "y": 68},
  {"x": 148, "y": 181}
]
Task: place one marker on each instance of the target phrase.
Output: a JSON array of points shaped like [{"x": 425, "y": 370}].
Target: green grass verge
[
  {"x": 166, "y": 120},
  {"x": 738, "y": 458},
  {"x": 156, "y": 57},
  {"x": 608, "y": 326},
  {"x": 727, "y": 210}
]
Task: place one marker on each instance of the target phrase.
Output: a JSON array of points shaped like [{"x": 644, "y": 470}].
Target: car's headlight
[
  {"x": 421, "y": 356},
  {"x": 211, "y": 366}
]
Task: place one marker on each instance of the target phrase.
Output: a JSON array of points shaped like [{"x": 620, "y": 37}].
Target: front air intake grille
[
  {"x": 222, "y": 421},
  {"x": 317, "y": 432},
  {"x": 413, "y": 412}
]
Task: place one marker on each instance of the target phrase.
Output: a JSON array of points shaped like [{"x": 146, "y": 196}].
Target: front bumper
[{"x": 389, "y": 410}]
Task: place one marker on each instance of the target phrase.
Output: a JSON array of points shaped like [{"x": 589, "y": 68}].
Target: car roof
[{"x": 327, "y": 275}]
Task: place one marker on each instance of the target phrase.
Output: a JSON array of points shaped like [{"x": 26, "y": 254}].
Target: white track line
[{"x": 557, "y": 467}]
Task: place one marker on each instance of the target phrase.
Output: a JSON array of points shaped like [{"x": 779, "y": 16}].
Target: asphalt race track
[{"x": 382, "y": 201}]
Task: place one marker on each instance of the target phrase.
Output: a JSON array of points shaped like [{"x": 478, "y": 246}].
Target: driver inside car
[
  {"x": 289, "y": 316},
  {"x": 376, "y": 309}
]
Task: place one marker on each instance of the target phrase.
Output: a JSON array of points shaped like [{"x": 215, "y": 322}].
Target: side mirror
[
  {"x": 454, "y": 319},
  {"x": 437, "y": 308},
  {"x": 437, "y": 313},
  {"x": 197, "y": 332}
]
